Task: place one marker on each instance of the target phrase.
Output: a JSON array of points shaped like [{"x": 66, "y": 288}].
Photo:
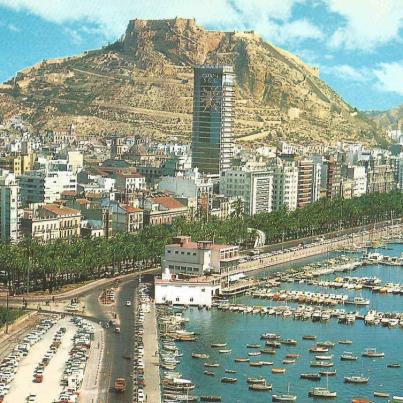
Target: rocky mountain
[
  {"x": 143, "y": 84},
  {"x": 390, "y": 120}
]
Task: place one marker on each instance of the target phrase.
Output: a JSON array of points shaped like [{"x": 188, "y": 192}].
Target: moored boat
[
  {"x": 393, "y": 365},
  {"x": 322, "y": 393},
  {"x": 356, "y": 379},
  {"x": 381, "y": 394},
  {"x": 348, "y": 356},
  {"x": 260, "y": 387},
  {"x": 372, "y": 353},
  {"x": 268, "y": 351},
  {"x": 255, "y": 380},
  {"x": 200, "y": 356},
  {"x": 328, "y": 373},
  {"x": 225, "y": 351},
  {"x": 226, "y": 379},
  {"x": 345, "y": 341},
  {"x": 321, "y": 364},
  {"x": 256, "y": 363},
  {"x": 254, "y": 353},
  {"x": 211, "y": 364},
  {"x": 285, "y": 397},
  {"x": 209, "y": 373},
  {"x": 278, "y": 370},
  {"x": 308, "y": 337},
  {"x": 218, "y": 345},
  {"x": 230, "y": 371},
  {"x": 241, "y": 359},
  {"x": 210, "y": 398},
  {"x": 253, "y": 346},
  {"x": 310, "y": 376}
]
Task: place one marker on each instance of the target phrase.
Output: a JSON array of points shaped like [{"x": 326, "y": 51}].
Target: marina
[{"x": 250, "y": 327}]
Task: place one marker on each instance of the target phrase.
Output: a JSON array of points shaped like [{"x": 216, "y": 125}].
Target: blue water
[{"x": 238, "y": 330}]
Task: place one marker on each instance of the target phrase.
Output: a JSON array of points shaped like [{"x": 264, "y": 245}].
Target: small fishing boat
[
  {"x": 381, "y": 394},
  {"x": 274, "y": 344},
  {"x": 255, "y": 380},
  {"x": 260, "y": 387},
  {"x": 253, "y": 346},
  {"x": 226, "y": 351},
  {"x": 322, "y": 393},
  {"x": 267, "y": 363},
  {"x": 209, "y": 373},
  {"x": 270, "y": 336},
  {"x": 289, "y": 361},
  {"x": 345, "y": 341},
  {"x": 226, "y": 379},
  {"x": 372, "y": 353},
  {"x": 356, "y": 379},
  {"x": 211, "y": 364},
  {"x": 286, "y": 397},
  {"x": 210, "y": 398},
  {"x": 256, "y": 363},
  {"x": 254, "y": 353},
  {"x": 288, "y": 342},
  {"x": 393, "y": 365},
  {"x": 324, "y": 357},
  {"x": 200, "y": 356},
  {"x": 396, "y": 399},
  {"x": 326, "y": 344},
  {"x": 230, "y": 371},
  {"x": 240, "y": 359},
  {"x": 321, "y": 364},
  {"x": 328, "y": 373},
  {"x": 348, "y": 356},
  {"x": 218, "y": 345},
  {"x": 318, "y": 350},
  {"x": 268, "y": 351},
  {"x": 278, "y": 370},
  {"x": 292, "y": 356},
  {"x": 308, "y": 337},
  {"x": 310, "y": 376}
]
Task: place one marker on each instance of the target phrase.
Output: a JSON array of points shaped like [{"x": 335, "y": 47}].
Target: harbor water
[{"x": 239, "y": 329}]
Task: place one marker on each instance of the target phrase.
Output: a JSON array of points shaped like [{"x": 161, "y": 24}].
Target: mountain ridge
[{"x": 143, "y": 83}]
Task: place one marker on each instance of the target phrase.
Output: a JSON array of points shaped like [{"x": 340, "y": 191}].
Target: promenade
[
  {"x": 152, "y": 388},
  {"x": 329, "y": 245}
]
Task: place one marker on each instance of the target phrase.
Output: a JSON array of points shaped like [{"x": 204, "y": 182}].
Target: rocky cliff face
[
  {"x": 390, "y": 120},
  {"x": 143, "y": 84}
]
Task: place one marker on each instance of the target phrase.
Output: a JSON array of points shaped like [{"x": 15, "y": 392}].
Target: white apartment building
[
  {"x": 254, "y": 187},
  {"x": 42, "y": 187},
  {"x": 190, "y": 291},
  {"x": 400, "y": 172},
  {"x": 129, "y": 182},
  {"x": 285, "y": 184},
  {"x": 359, "y": 175},
  {"x": 199, "y": 258},
  {"x": 197, "y": 188},
  {"x": 9, "y": 208}
]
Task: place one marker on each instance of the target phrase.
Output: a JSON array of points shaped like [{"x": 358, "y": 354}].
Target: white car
[{"x": 128, "y": 303}]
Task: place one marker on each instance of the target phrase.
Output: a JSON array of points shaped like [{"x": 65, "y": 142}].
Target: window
[
  {"x": 177, "y": 299},
  {"x": 203, "y": 290},
  {"x": 176, "y": 252},
  {"x": 191, "y": 299}
]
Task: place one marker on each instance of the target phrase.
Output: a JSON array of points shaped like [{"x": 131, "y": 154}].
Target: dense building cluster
[{"x": 60, "y": 184}]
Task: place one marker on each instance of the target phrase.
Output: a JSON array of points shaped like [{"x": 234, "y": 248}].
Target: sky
[{"x": 357, "y": 44}]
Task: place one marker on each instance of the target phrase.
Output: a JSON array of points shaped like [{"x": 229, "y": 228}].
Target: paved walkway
[
  {"x": 152, "y": 388},
  {"x": 90, "y": 386}
]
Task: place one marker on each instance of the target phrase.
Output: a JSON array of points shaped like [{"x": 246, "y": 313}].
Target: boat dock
[
  {"x": 240, "y": 287},
  {"x": 152, "y": 380}
]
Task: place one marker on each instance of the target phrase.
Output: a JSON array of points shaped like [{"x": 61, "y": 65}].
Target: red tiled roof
[
  {"x": 130, "y": 209},
  {"x": 168, "y": 202},
  {"x": 59, "y": 211},
  {"x": 69, "y": 193}
]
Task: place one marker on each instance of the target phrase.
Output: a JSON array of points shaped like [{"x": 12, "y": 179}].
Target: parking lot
[{"x": 50, "y": 388}]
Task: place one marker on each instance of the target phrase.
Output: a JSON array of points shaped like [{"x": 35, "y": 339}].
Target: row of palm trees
[{"x": 30, "y": 265}]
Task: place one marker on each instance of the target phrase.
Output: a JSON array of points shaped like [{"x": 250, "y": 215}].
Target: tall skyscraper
[{"x": 213, "y": 118}]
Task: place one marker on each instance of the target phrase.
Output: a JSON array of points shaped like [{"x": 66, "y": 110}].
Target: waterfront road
[{"x": 118, "y": 346}]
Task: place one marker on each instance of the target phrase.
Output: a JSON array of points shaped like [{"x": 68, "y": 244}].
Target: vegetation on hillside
[
  {"x": 12, "y": 315},
  {"x": 53, "y": 265}
]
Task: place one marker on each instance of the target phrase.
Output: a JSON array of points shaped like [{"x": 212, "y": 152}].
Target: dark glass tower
[{"x": 213, "y": 118}]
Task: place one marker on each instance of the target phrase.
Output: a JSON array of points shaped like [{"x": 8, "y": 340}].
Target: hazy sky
[{"x": 356, "y": 43}]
